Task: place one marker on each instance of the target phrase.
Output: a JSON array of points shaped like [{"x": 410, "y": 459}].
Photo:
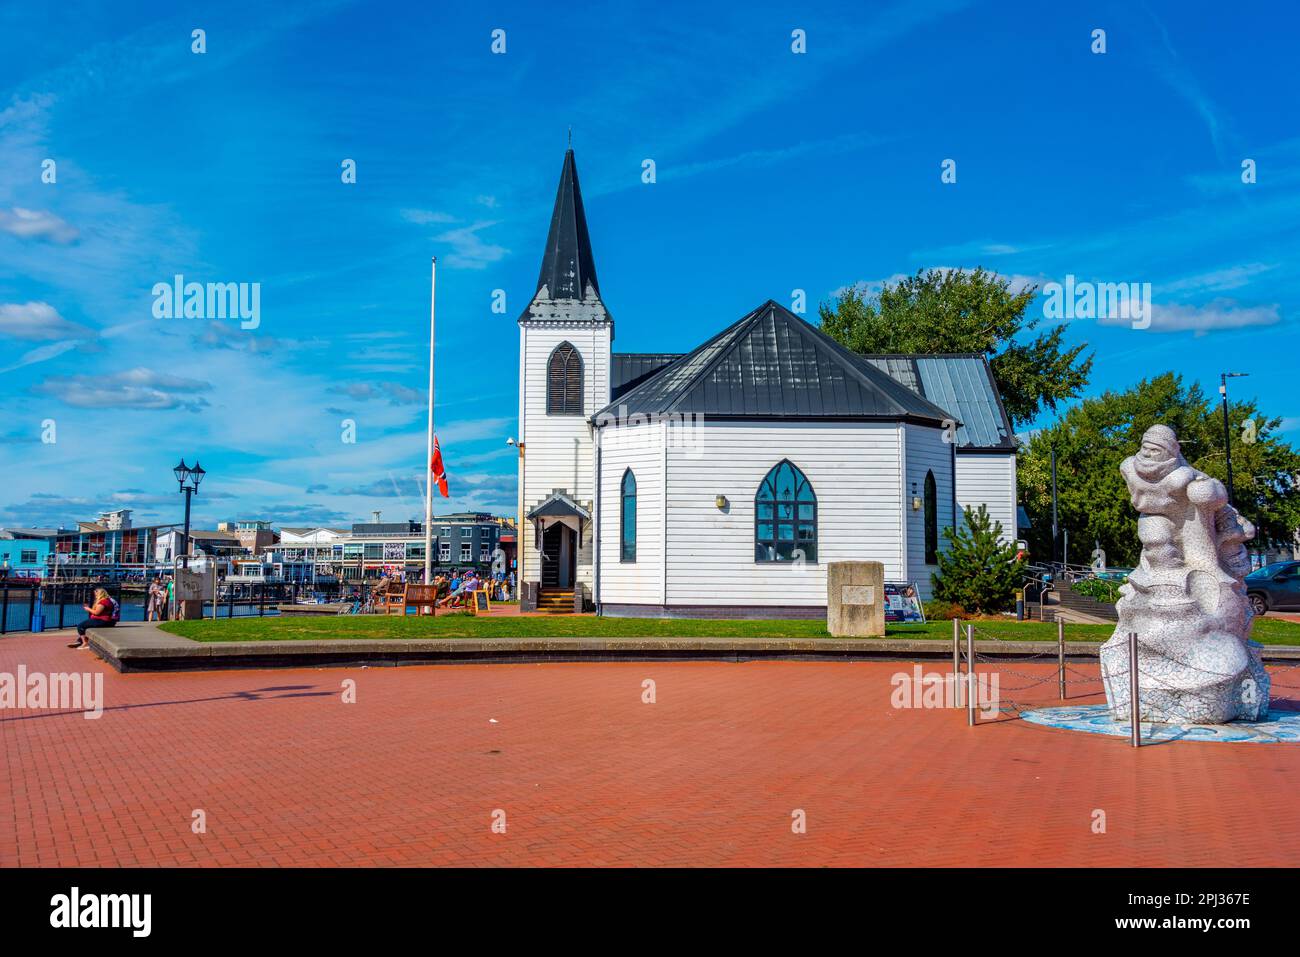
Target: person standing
[{"x": 157, "y": 595}]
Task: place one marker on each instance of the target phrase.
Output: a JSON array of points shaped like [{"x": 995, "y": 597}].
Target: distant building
[
  {"x": 24, "y": 552},
  {"x": 97, "y": 550},
  {"x": 375, "y": 549},
  {"x": 256, "y": 535},
  {"x": 222, "y": 546}
]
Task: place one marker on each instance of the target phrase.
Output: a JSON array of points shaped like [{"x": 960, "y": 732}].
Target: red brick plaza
[{"x": 711, "y": 773}]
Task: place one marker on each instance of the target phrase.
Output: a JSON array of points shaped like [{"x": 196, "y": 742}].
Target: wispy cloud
[
  {"x": 36, "y": 224},
  {"x": 468, "y": 249},
  {"x": 1218, "y": 280},
  {"x": 138, "y": 388},
  {"x": 394, "y": 392},
  {"x": 1182, "y": 81},
  {"x": 1216, "y": 315},
  {"x": 37, "y": 322}
]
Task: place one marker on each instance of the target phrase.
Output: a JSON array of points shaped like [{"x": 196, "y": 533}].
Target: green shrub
[
  {"x": 937, "y": 610},
  {"x": 1098, "y": 588},
  {"x": 977, "y": 570}
]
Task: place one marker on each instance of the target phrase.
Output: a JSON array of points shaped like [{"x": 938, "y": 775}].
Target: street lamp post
[
  {"x": 189, "y": 479},
  {"x": 1227, "y": 432}
]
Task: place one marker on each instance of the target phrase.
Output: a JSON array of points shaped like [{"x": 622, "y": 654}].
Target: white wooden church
[{"x": 719, "y": 482}]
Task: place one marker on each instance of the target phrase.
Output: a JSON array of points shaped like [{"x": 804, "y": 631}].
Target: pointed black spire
[{"x": 567, "y": 263}]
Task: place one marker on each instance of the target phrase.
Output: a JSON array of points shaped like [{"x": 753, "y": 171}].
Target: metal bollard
[
  {"x": 970, "y": 675},
  {"x": 1134, "y": 711},
  {"x": 956, "y": 664},
  {"x": 1060, "y": 655}
]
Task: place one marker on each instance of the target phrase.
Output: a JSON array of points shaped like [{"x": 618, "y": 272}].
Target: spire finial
[{"x": 570, "y": 137}]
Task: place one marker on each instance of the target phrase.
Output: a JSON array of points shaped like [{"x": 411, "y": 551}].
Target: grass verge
[{"x": 323, "y": 628}]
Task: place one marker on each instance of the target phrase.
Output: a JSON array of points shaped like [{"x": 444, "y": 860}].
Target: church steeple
[{"x": 568, "y": 268}]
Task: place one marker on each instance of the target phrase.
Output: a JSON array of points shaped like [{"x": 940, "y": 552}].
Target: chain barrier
[{"x": 1065, "y": 675}]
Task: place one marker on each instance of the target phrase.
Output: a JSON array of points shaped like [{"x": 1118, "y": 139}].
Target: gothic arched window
[
  {"x": 627, "y": 534},
  {"x": 785, "y": 516},
  {"x": 564, "y": 381}
]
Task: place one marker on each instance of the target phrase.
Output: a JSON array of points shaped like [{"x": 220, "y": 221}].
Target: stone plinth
[
  {"x": 855, "y": 599},
  {"x": 192, "y": 589}
]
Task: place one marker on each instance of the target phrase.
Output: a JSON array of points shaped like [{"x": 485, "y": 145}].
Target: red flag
[{"x": 436, "y": 467}]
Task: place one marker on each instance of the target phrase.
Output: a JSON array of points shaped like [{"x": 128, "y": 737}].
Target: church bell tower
[{"x": 565, "y": 336}]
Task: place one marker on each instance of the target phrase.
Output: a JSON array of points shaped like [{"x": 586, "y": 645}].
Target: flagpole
[{"x": 428, "y": 459}]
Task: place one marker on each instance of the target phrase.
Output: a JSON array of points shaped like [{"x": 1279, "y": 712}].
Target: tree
[
  {"x": 978, "y": 571},
  {"x": 939, "y": 311},
  {"x": 1095, "y": 436}
]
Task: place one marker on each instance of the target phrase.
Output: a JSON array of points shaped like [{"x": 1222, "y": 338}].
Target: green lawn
[{"x": 1268, "y": 631}]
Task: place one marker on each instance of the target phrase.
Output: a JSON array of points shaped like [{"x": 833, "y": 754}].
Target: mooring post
[
  {"x": 1060, "y": 656},
  {"x": 1134, "y": 710},
  {"x": 970, "y": 675}
]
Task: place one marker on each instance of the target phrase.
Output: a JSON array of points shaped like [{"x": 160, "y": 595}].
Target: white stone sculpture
[{"x": 1186, "y": 600}]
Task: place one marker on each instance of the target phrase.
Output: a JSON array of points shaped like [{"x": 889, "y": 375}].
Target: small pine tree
[{"x": 977, "y": 570}]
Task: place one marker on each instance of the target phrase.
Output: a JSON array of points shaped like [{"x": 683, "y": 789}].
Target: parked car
[{"x": 1274, "y": 587}]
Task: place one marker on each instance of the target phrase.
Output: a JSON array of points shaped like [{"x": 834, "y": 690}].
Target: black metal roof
[
  {"x": 962, "y": 383},
  {"x": 629, "y": 369},
  {"x": 772, "y": 364},
  {"x": 567, "y": 264}
]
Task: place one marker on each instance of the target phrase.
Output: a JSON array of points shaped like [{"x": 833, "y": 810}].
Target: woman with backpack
[{"x": 104, "y": 612}]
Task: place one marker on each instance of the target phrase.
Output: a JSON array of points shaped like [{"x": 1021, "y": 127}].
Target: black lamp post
[
  {"x": 1227, "y": 435},
  {"x": 189, "y": 479}
]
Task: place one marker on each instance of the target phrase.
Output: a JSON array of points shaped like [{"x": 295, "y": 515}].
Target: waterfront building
[
  {"x": 460, "y": 540},
  {"x": 24, "y": 552},
  {"x": 256, "y": 535},
  {"x": 107, "y": 550},
  {"x": 722, "y": 480},
  {"x": 217, "y": 545}
]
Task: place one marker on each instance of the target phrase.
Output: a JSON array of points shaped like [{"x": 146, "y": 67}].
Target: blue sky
[{"x": 776, "y": 171}]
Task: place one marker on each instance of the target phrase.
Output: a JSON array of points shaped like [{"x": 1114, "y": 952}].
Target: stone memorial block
[{"x": 855, "y": 599}]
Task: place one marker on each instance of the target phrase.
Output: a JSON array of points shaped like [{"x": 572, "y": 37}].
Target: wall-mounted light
[
  {"x": 720, "y": 501},
  {"x": 916, "y": 503}
]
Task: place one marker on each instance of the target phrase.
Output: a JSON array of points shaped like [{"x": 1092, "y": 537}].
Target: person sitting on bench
[
  {"x": 464, "y": 594},
  {"x": 103, "y": 614}
]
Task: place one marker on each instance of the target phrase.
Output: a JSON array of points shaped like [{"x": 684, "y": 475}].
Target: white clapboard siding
[
  {"x": 989, "y": 480},
  {"x": 854, "y": 471},
  {"x": 926, "y": 452},
  {"x": 558, "y": 448},
  {"x": 640, "y": 448}
]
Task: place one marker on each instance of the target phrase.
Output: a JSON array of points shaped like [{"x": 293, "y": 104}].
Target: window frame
[
  {"x": 565, "y": 403},
  {"x": 772, "y": 542},
  {"x": 623, "y": 496}
]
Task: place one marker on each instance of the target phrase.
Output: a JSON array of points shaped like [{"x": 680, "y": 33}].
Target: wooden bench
[{"x": 423, "y": 598}]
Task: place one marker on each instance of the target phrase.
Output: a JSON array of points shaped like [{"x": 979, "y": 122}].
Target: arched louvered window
[
  {"x": 785, "y": 516},
  {"x": 564, "y": 381},
  {"x": 931, "y": 520},
  {"x": 627, "y": 495}
]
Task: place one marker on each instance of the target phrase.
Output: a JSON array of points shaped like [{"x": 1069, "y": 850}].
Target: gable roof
[
  {"x": 772, "y": 364},
  {"x": 963, "y": 384},
  {"x": 568, "y": 266},
  {"x": 630, "y": 369},
  {"x": 558, "y": 503}
]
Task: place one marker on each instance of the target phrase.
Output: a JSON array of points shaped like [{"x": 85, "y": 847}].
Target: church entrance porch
[
  {"x": 557, "y": 524},
  {"x": 559, "y": 558}
]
